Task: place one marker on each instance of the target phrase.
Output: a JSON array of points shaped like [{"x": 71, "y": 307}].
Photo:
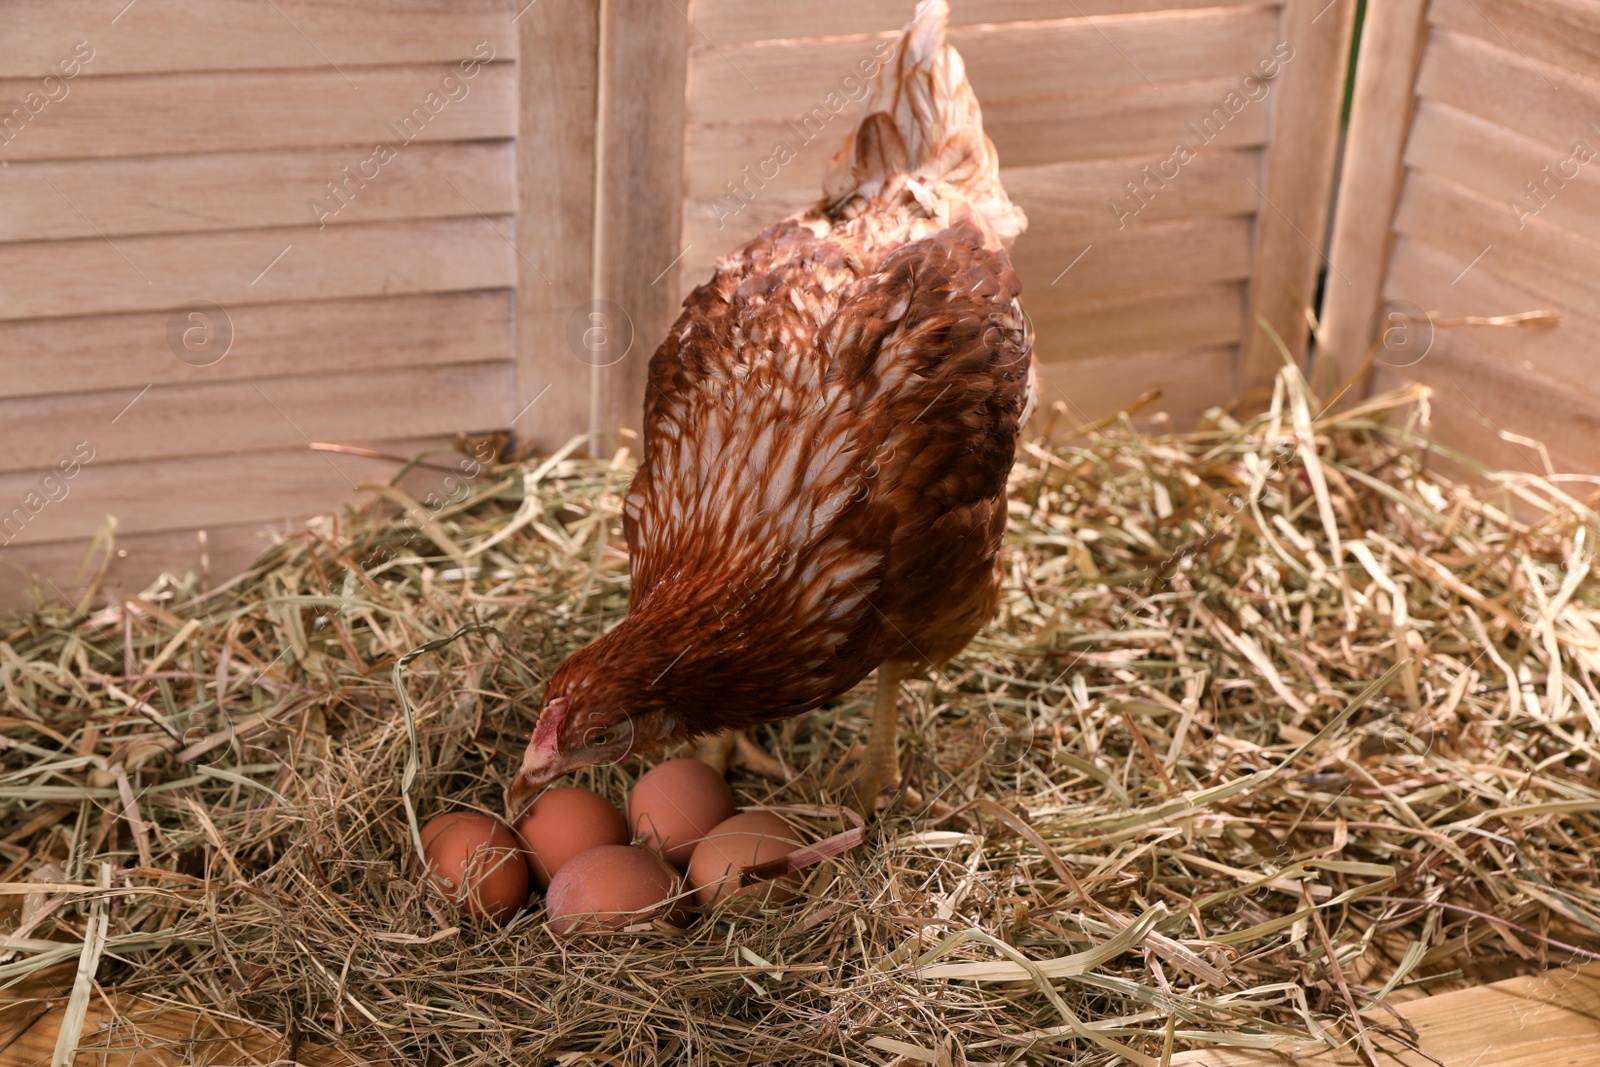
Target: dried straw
[{"x": 1277, "y": 727}]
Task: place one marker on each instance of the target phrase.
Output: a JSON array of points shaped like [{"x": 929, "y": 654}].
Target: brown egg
[
  {"x": 748, "y": 838},
  {"x": 476, "y": 862},
  {"x": 564, "y": 822},
  {"x": 610, "y": 887},
  {"x": 675, "y": 804}
]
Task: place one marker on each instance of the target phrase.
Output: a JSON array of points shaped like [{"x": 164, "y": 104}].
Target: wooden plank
[
  {"x": 61, "y": 570},
  {"x": 739, "y": 21},
  {"x": 789, "y": 78},
  {"x": 1565, "y": 32},
  {"x": 1392, "y": 39},
  {"x": 269, "y": 340},
  {"x": 251, "y": 416},
  {"x": 1500, "y": 165},
  {"x": 1516, "y": 91},
  {"x": 1481, "y": 235},
  {"x": 1144, "y": 255},
  {"x": 1540, "y": 1020},
  {"x": 1191, "y": 381},
  {"x": 1473, "y": 400},
  {"x": 556, "y": 219},
  {"x": 93, "y": 276},
  {"x": 1124, "y": 324},
  {"x": 1428, "y": 279},
  {"x": 1105, "y": 124},
  {"x": 1297, "y": 181},
  {"x": 640, "y": 201},
  {"x": 196, "y": 491},
  {"x": 168, "y": 114},
  {"x": 237, "y": 190},
  {"x": 191, "y": 35},
  {"x": 132, "y": 1032},
  {"x": 1156, "y": 255}
]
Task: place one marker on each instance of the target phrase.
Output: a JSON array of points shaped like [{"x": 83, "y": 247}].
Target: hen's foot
[
  {"x": 733, "y": 748},
  {"x": 716, "y": 751}
]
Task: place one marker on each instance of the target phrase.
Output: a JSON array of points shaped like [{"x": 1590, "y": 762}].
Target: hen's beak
[{"x": 530, "y": 780}]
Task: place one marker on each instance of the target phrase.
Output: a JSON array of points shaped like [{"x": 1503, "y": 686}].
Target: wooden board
[
  {"x": 1542, "y": 1020},
  {"x": 61, "y": 570},
  {"x": 788, "y": 78},
  {"x": 197, "y": 491},
  {"x": 556, "y": 217},
  {"x": 1106, "y": 124},
  {"x": 1156, "y": 255},
  {"x": 141, "y": 1033},
  {"x": 269, "y": 340},
  {"x": 166, "y": 114},
  {"x": 1392, "y": 39},
  {"x": 1564, "y": 32},
  {"x": 1092, "y": 388},
  {"x": 189, "y": 35},
  {"x": 1291, "y": 222},
  {"x": 1131, "y": 323},
  {"x": 639, "y": 185},
  {"x": 1482, "y": 235},
  {"x": 1512, "y": 90},
  {"x": 255, "y": 415},
  {"x": 97, "y": 275},
  {"x": 737, "y": 21},
  {"x": 239, "y": 190}
]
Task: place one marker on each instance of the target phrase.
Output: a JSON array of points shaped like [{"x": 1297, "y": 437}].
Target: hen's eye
[{"x": 601, "y": 738}]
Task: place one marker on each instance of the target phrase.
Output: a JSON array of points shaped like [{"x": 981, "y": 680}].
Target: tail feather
[{"x": 921, "y": 119}]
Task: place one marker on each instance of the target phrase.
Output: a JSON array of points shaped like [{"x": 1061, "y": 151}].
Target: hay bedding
[{"x": 1277, "y": 727}]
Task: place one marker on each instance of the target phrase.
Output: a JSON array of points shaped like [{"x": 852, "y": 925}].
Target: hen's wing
[{"x": 825, "y": 421}]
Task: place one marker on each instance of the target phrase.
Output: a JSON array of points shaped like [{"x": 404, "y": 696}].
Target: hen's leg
[
  {"x": 734, "y": 747},
  {"x": 716, "y": 750},
  {"x": 880, "y": 766}
]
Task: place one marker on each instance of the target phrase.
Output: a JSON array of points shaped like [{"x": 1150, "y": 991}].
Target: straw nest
[{"x": 1277, "y": 726}]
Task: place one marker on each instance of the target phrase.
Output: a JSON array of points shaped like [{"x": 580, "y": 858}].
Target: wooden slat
[
  {"x": 643, "y": 62},
  {"x": 1107, "y": 124},
  {"x": 1564, "y": 353},
  {"x": 738, "y": 21},
  {"x": 756, "y": 81},
  {"x": 1565, "y": 32},
  {"x": 1068, "y": 207},
  {"x": 269, "y": 340},
  {"x": 1191, "y": 381},
  {"x": 555, "y": 208},
  {"x": 1498, "y": 163},
  {"x": 249, "y": 416},
  {"x": 1540, "y": 257},
  {"x": 1541, "y": 1020},
  {"x": 237, "y": 267},
  {"x": 240, "y": 190},
  {"x": 189, "y": 35},
  {"x": 146, "y": 1034},
  {"x": 1513, "y": 90},
  {"x": 1157, "y": 255},
  {"x": 55, "y": 570},
  {"x": 216, "y": 490},
  {"x": 1392, "y": 40},
  {"x": 1091, "y": 197},
  {"x": 165, "y": 114},
  {"x": 1165, "y": 320},
  {"x": 1297, "y": 181}
]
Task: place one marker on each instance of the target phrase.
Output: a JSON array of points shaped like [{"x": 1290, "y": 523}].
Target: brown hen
[{"x": 828, "y": 430}]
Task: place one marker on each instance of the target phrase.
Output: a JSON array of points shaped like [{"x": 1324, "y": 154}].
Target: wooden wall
[
  {"x": 162, "y": 153},
  {"x": 1079, "y": 97},
  {"x": 585, "y": 162},
  {"x": 1472, "y": 189}
]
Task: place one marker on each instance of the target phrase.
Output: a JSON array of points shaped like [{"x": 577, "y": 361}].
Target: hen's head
[{"x": 596, "y": 710}]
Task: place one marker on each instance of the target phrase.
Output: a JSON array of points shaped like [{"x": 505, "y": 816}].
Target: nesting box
[{"x": 255, "y": 255}]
